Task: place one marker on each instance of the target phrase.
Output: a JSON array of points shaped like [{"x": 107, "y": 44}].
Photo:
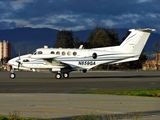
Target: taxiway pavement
[
  {"x": 40, "y": 95},
  {"x": 30, "y": 82}
]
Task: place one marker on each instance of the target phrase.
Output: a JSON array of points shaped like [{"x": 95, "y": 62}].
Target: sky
[{"x": 78, "y": 15}]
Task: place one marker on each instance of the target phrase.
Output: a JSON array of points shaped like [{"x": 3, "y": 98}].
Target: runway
[
  {"x": 55, "y": 98},
  {"x": 45, "y": 82}
]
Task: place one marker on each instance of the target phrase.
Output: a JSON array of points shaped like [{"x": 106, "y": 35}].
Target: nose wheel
[{"x": 12, "y": 75}]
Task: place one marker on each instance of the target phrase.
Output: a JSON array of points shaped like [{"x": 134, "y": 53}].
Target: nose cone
[
  {"x": 15, "y": 62},
  {"x": 10, "y": 62}
]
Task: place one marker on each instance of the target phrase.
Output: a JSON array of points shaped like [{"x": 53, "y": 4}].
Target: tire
[
  {"x": 66, "y": 75},
  {"x": 58, "y": 76},
  {"x": 84, "y": 70},
  {"x": 12, "y": 75}
]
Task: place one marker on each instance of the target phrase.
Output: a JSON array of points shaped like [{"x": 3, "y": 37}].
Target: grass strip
[{"x": 148, "y": 93}]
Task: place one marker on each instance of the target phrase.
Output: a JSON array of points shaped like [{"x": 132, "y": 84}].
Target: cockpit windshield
[
  {"x": 37, "y": 52},
  {"x": 34, "y": 53}
]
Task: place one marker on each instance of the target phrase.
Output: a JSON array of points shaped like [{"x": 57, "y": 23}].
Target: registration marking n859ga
[{"x": 86, "y": 63}]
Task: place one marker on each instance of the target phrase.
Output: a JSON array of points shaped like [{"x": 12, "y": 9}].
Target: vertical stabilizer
[{"x": 136, "y": 41}]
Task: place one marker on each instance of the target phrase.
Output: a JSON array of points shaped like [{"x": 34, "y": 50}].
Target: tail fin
[{"x": 136, "y": 41}]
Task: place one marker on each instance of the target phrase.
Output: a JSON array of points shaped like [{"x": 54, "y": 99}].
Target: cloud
[
  {"x": 141, "y": 1},
  {"x": 78, "y": 15},
  {"x": 19, "y": 4}
]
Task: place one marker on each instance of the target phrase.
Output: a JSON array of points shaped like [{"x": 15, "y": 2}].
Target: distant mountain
[{"x": 26, "y": 40}]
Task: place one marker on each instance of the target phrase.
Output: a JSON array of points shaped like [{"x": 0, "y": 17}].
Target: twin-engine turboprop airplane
[{"x": 63, "y": 61}]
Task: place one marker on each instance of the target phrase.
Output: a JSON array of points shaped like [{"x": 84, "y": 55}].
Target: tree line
[{"x": 99, "y": 37}]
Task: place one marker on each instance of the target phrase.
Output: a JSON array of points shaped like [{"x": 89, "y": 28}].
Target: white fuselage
[
  {"x": 75, "y": 58},
  {"x": 65, "y": 60}
]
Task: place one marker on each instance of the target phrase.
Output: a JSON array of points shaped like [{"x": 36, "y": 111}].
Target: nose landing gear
[{"x": 12, "y": 74}]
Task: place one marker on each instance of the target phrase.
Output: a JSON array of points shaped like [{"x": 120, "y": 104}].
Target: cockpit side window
[
  {"x": 39, "y": 52},
  {"x": 34, "y": 53}
]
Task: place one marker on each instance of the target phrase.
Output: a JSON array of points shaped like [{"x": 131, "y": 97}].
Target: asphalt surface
[
  {"x": 45, "y": 82},
  {"x": 40, "y": 95}
]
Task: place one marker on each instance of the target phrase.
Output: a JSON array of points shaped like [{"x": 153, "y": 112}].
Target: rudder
[{"x": 135, "y": 41}]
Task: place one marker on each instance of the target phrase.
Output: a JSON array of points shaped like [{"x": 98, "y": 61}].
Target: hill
[{"x": 26, "y": 40}]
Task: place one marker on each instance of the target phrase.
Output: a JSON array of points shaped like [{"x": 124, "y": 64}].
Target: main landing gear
[{"x": 59, "y": 75}]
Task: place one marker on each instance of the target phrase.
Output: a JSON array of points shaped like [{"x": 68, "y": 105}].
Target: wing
[{"x": 44, "y": 56}]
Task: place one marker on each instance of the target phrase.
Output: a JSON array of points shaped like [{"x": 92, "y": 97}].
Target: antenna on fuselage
[
  {"x": 45, "y": 46},
  {"x": 81, "y": 47}
]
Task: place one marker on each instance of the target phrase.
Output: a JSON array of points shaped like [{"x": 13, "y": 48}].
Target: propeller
[
  {"x": 19, "y": 60},
  {"x": 19, "y": 63}
]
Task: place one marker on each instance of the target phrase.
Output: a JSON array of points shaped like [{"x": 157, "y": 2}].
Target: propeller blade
[
  {"x": 19, "y": 60},
  {"x": 19, "y": 55},
  {"x": 19, "y": 63}
]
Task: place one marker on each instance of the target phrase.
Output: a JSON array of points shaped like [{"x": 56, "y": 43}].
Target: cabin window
[
  {"x": 69, "y": 53},
  {"x": 39, "y": 52},
  {"x": 63, "y": 53},
  {"x": 74, "y": 53},
  {"x": 52, "y": 52},
  {"x": 58, "y": 53}
]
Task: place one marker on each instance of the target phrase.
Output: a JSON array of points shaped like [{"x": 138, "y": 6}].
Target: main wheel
[
  {"x": 12, "y": 75},
  {"x": 66, "y": 75},
  {"x": 58, "y": 76}
]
